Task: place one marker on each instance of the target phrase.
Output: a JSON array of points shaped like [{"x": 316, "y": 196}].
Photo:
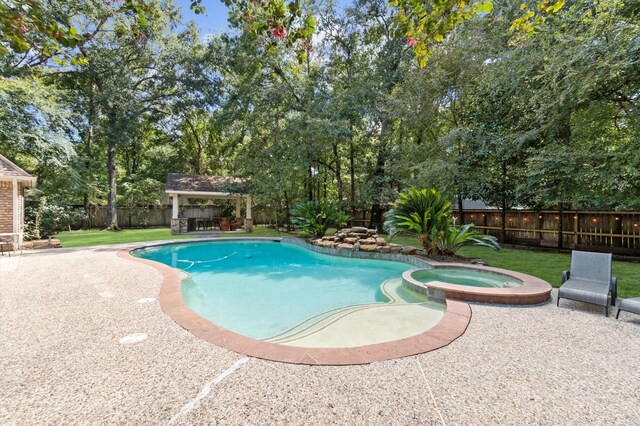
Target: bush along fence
[{"x": 615, "y": 232}]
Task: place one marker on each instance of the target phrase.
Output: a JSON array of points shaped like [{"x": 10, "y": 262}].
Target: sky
[{"x": 214, "y": 20}]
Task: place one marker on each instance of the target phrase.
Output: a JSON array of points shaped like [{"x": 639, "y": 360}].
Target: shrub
[
  {"x": 46, "y": 218},
  {"x": 314, "y": 217},
  {"x": 454, "y": 238}
]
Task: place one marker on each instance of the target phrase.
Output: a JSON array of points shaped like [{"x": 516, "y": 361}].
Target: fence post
[
  {"x": 575, "y": 229},
  {"x": 540, "y": 227}
]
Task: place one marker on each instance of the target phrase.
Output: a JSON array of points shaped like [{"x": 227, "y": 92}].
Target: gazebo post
[
  {"x": 238, "y": 208},
  {"x": 176, "y": 206},
  {"x": 178, "y": 225},
  {"x": 248, "y": 220}
]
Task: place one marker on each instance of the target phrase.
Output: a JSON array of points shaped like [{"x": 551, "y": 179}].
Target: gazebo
[
  {"x": 207, "y": 187},
  {"x": 13, "y": 182}
]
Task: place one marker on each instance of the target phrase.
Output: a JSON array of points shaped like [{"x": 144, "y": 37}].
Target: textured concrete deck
[{"x": 63, "y": 313}]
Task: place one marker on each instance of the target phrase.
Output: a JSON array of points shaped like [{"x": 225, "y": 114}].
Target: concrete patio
[{"x": 63, "y": 313}]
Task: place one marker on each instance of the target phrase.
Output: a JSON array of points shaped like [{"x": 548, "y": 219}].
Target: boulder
[
  {"x": 368, "y": 247},
  {"x": 356, "y": 247},
  {"x": 368, "y": 241},
  {"x": 326, "y": 243},
  {"x": 384, "y": 249},
  {"x": 345, "y": 246},
  {"x": 395, "y": 249},
  {"x": 358, "y": 234},
  {"x": 327, "y": 238},
  {"x": 350, "y": 240},
  {"x": 380, "y": 241},
  {"x": 409, "y": 250},
  {"x": 359, "y": 229}
]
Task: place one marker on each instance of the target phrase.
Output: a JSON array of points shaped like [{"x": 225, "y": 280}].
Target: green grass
[
  {"x": 96, "y": 237},
  {"x": 545, "y": 265}
]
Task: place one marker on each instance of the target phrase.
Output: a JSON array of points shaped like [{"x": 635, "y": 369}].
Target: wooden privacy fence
[
  {"x": 150, "y": 216},
  {"x": 615, "y": 232}
]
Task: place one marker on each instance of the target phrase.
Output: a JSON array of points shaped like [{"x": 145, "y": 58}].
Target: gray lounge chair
[
  {"x": 629, "y": 305},
  {"x": 589, "y": 280}
]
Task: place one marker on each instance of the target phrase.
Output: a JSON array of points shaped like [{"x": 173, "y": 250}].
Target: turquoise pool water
[
  {"x": 466, "y": 277},
  {"x": 263, "y": 288}
]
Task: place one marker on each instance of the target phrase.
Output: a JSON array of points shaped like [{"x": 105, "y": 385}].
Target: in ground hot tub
[{"x": 477, "y": 284}]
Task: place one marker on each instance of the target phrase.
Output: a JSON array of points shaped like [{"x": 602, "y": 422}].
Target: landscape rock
[
  {"x": 359, "y": 229},
  {"x": 409, "y": 250},
  {"x": 368, "y": 247}
]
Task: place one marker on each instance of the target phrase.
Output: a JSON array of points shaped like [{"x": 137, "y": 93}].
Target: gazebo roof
[
  {"x": 185, "y": 183},
  {"x": 8, "y": 170}
]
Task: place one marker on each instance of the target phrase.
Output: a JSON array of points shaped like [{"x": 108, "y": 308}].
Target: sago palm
[{"x": 421, "y": 212}]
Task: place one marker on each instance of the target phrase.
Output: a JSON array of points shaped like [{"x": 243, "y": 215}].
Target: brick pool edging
[{"x": 452, "y": 325}]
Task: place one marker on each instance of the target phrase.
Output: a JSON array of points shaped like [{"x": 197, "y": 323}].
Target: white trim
[{"x": 209, "y": 194}]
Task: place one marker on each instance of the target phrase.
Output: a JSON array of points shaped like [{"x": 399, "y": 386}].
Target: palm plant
[
  {"x": 427, "y": 214},
  {"x": 314, "y": 217},
  {"x": 453, "y": 238},
  {"x": 420, "y": 212}
]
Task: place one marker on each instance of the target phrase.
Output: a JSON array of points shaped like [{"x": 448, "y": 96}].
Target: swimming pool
[{"x": 265, "y": 289}]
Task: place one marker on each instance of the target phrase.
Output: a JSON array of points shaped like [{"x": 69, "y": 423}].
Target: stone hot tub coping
[{"x": 452, "y": 325}]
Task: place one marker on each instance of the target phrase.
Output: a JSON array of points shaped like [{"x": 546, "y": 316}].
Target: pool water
[
  {"x": 263, "y": 288},
  {"x": 466, "y": 277}
]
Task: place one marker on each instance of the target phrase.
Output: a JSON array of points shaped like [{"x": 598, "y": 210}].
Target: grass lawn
[
  {"x": 95, "y": 237},
  {"x": 548, "y": 266}
]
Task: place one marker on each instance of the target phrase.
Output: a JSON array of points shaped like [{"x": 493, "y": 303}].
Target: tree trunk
[
  {"x": 89, "y": 154},
  {"x": 378, "y": 178},
  {"x": 286, "y": 207},
  {"x": 352, "y": 174},
  {"x": 336, "y": 159},
  {"x": 503, "y": 226},
  {"x": 112, "y": 213},
  {"x": 460, "y": 210},
  {"x": 310, "y": 185},
  {"x": 376, "y": 209}
]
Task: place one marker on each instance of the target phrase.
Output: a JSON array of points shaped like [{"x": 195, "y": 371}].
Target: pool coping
[{"x": 452, "y": 325}]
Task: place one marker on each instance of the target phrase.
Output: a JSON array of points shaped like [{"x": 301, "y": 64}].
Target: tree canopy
[{"x": 530, "y": 105}]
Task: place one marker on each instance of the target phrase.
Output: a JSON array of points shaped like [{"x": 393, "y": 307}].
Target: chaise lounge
[
  {"x": 629, "y": 305},
  {"x": 589, "y": 280}
]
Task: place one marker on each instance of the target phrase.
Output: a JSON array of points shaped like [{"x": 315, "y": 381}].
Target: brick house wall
[{"x": 6, "y": 206}]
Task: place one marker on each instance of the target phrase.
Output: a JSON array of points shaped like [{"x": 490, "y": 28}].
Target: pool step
[{"x": 391, "y": 288}]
